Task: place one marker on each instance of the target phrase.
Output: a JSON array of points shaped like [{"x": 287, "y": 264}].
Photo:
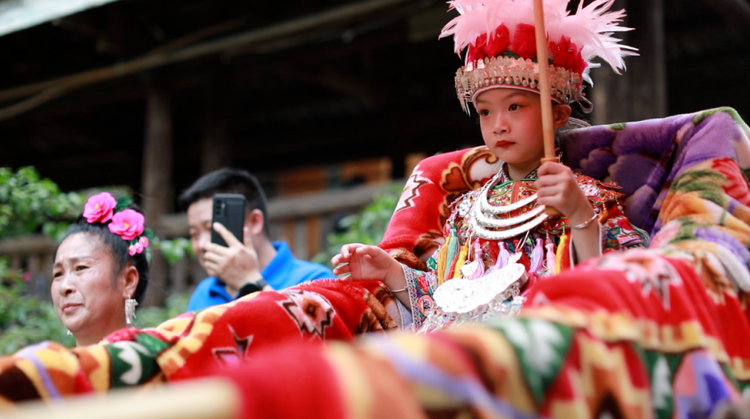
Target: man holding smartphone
[{"x": 245, "y": 266}]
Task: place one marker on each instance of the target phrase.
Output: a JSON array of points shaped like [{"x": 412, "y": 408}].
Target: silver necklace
[{"x": 482, "y": 215}]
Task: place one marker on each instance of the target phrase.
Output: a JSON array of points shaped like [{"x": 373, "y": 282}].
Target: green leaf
[
  {"x": 30, "y": 204},
  {"x": 123, "y": 202}
]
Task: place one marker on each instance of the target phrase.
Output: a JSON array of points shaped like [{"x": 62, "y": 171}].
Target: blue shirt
[{"x": 282, "y": 272}]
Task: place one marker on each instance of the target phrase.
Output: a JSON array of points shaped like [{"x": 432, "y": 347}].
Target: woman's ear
[
  {"x": 128, "y": 280},
  {"x": 560, "y": 115}
]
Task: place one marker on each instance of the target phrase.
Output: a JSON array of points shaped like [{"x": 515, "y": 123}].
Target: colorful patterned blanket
[{"x": 657, "y": 332}]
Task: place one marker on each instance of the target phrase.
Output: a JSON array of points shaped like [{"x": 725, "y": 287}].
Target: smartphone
[{"x": 229, "y": 210}]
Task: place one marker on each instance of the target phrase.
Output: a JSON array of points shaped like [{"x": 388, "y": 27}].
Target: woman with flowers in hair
[
  {"x": 498, "y": 239},
  {"x": 100, "y": 272}
]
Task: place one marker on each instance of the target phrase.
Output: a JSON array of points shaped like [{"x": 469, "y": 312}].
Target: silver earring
[
  {"x": 69, "y": 332},
  {"x": 130, "y": 304}
]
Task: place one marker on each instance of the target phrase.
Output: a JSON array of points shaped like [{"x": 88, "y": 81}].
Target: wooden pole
[
  {"x": 548, "y": 130},
  {"x": 544, "y": 85}
]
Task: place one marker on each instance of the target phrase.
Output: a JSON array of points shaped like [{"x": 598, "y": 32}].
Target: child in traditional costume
[{"x": 498, "y": 239}]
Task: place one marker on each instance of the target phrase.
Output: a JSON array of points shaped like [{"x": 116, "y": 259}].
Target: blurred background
[{"x": 329, "y": 102}]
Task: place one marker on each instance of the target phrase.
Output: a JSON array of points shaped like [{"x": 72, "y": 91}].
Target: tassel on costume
[
  {"x": 563, "y": 253},
  {"x": 461, "y": 260},
  {"x": 479, "y": 271},
  {"x": 537, "y": 256},
  {"x": 550, "y": 256},
  {"x": 441, "y": 261},
  {"x": 603, "y": 213},
  {"x": 450, "y": 257},
  {"x": 451, "y": 249}
]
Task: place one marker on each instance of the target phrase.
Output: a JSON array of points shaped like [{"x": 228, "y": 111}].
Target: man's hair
[{"x": 228, "y": 181}]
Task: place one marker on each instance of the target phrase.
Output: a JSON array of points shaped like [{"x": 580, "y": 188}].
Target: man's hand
[{"x": 237, "y": 264}]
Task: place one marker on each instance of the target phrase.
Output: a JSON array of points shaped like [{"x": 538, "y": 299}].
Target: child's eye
[
  {"x": 57, "y": 274},
  {"x": 484, "y": 112},
  {"x": 514, "y": 107}
]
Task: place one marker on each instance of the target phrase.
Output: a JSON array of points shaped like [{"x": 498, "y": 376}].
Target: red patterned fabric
[{"x": 423, "y": 208}]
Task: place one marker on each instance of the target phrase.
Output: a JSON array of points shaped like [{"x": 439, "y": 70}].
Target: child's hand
[
  {"x": 557, "y": 187},
  {"x": 367, "y": 263}
]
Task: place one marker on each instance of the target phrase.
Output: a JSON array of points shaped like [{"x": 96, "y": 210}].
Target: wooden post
[
  {"x": 217, "y": 142},
  {"x": 48, "y": 261},
  {"x": 648, "y": 73},
  {"x": 641, "y": 92},
  {"x": 34, "y": 268},
  {"x": 157, "y": 181}
]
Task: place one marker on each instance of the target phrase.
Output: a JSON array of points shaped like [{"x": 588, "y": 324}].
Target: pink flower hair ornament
[
  {"x": 99, "y": 208},
  {"x": 127, "y": 224},
  {"x": 124, "y": 222}
]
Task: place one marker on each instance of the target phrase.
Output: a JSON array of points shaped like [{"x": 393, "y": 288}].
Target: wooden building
[{"x": 308, "y": 95}]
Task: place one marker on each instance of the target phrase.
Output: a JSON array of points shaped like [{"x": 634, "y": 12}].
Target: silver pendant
[{"x": 461, "y": 295}]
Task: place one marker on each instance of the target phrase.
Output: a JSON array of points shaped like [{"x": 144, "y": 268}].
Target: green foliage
[
  {"x": 23, "y": 319},
  {"x": 366, "y": 226},
  {"x": 29, "y": 204},
  {"x": 174, "y": 250}
]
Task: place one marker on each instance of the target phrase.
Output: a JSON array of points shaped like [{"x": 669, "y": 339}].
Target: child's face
[{"x": 511, "y": 123}]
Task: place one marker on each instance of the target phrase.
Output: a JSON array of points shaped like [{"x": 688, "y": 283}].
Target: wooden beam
[
  {"x": 37, "y": 243},
  {"x": 50, "y": 89}
]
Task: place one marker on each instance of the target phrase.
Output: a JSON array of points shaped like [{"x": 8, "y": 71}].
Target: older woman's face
[{"x": 85, "y": 288}]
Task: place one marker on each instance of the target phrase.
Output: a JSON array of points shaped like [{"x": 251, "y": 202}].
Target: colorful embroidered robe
[{"x": 546, "y": 250}]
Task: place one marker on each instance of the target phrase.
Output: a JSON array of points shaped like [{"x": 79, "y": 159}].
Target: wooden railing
[{"x": 303, "y": 221}]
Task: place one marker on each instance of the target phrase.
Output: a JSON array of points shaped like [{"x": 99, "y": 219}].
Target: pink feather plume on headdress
[{"x": 591, "y": 28}]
